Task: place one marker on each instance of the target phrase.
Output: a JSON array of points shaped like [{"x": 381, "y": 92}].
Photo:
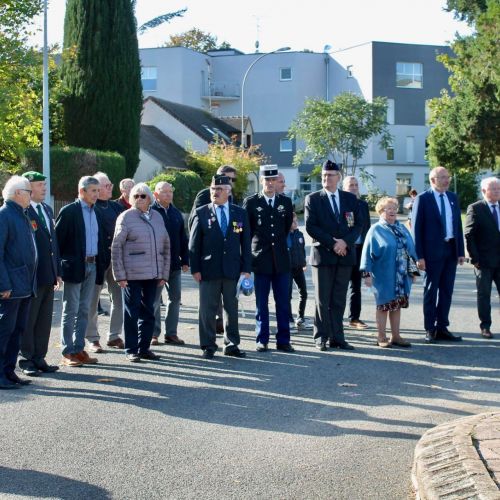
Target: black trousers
[
  {"x": 34, "y": 340},
  {"x": 355, "y": 287},
  {"x": 297, "y": 275},
  {"x": 484, "y": 278}
]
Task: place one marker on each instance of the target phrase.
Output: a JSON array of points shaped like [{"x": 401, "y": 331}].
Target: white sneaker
[{"x": 304, "y": 324}]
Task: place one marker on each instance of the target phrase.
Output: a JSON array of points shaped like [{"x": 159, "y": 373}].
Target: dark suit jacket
[
  {"x": 70, "y": 231},
  {"x": 49, "y": 263},
  {"x": 482, "y": 235},
  {"x": 427, "y": 228},
  {"x": 216, "y": 256},
  {"x": 322, "y": 226},
  {"x": 269, "y": 228},
  {"x": 364, "y": 213},
  {"x": 203, "y": 198}
]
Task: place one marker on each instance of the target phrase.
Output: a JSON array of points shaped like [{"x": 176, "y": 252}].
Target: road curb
[{"x": 448, "y": 465}]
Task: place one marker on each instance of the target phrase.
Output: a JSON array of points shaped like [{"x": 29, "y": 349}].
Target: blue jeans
[
  {"x": 138, "y": 314},
  {"x": 173, "y": 286},
  {"x": 280, "y": 284},
  {"x": 75, "y": 312},
  {"x": 13, "y": 320}
]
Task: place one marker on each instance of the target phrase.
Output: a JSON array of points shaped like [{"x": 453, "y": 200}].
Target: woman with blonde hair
[{"x": 388, "y": 265}]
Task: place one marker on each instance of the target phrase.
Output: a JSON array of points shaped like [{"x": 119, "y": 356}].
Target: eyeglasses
[
  {"x": 218, "y": 189},
  {"x": 107, "y": 186},
  {"x": 142, "y": 196},
  {"x": 232, "y": 179},
  {"x": 27, "y": 190}
]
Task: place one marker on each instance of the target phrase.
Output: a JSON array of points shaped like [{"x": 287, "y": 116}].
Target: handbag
[{"x": 411, "y": 265}]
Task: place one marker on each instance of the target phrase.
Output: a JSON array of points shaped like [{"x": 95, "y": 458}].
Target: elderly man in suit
[
  {"x": 270, "y": 215},
  {"x": 35, "y": 338},
  {"x": 18, "y": 261},
  {"x": 350, "y": 184},
  {"x": 332, "y": 219},
  {"x": 82, "y": 245},
  {"x": 439, "y": 242},
  {"x": 219, "y": 253},
  {"x": 482, "y": 236}
]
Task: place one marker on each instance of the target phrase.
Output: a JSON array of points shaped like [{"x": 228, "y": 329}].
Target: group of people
[{"x": 138, "y": 245}]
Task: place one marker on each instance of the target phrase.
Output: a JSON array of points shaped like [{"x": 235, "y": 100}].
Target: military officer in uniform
[
  {"x": 35, "y": 338},
  {"x": 270, "y": 215},
  {"x": 219, "y": 253}
]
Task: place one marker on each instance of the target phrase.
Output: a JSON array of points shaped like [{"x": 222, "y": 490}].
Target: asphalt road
[{"x": 309, "y": 425}]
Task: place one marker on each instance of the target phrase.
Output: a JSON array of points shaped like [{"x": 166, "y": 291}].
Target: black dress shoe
[
  {"x": 430, "y": 336},
  {"x": 31, "y": 371},
  {"x": 149, "y": 355},
  {"x": 486, "y": 333},
  {"x": 236, "y": 353},
  {"x": 444, "y": 334},
  {"x": 12, "y": 377},
  {"x": 207, "y": 354},
  {"x": 285, "y": 347},
  {"x": 321, "y": 346},
  {"x": 44, "y": 367},
  {"x": 261, "y": 347},
  {"x": 341, "y": 345},
  {"x": 6, "y": 384}
]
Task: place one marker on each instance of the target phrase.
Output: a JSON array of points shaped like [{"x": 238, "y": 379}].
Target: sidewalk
[{"x": 460, "y": 459}]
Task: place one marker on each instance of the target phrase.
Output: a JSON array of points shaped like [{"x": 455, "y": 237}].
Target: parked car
[{"x": 297, "y": 198}]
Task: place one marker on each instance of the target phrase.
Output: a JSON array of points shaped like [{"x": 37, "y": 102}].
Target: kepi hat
[
  {"x": 220, "y": 180},
  {"x": 267, "y": 171}
]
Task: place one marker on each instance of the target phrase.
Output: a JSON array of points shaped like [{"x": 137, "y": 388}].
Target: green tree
[
  {"x": 466, "y": 10},
  {"x": 466, "y": 125},
  {"x": 340, "y": 129},
  {"x": 196, "y": 39},
  {"x": 245, "y": 161},
  {"x": 102, "y": 78}
]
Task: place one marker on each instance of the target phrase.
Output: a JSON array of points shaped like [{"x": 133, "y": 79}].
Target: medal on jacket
[{"x": 259, "y": 222}]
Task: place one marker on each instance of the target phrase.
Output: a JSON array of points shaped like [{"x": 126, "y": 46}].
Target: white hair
[
  {"x": 160, "y": 184},
  {"x": 13, "y": 184},
  {"x": 142, "y": 188},
  {"x": 101, "y": 177},
  {"x": 124, "y": 181},
  {"x": 345, "y": 182},
  {"x": 487, "y": 181}
]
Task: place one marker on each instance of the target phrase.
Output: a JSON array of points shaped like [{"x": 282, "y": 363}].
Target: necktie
[
  {"x": 271, "y": 203},
  {"x": 40, "y": 215},
  {"x": 495, "y": 215},
  {"x": 223, "y": 220},
  {"x": 335, "y": 208},
  {"x": 443, "y": 214}
]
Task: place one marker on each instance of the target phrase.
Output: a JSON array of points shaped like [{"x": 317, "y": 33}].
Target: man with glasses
[
  {"x": 203, "y": 198},
  {"x": 18, "y": 261},
  {"x": 332, "y": 220},
  {"x": 109, "y": 210},
  {"x": 439, "y": 242}
]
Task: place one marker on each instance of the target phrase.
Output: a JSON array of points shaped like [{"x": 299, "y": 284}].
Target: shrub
[
  {"x": 68, "y": 164},
  {"x": 186, "y": 185}
]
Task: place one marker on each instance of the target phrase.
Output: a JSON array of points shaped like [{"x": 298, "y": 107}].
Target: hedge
[
  {"x": 186, "y": 185},
  {"x": 68, "y": 164}
]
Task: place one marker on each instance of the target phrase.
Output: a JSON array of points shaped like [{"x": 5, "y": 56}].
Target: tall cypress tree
[{"x": 102, "y": 76}]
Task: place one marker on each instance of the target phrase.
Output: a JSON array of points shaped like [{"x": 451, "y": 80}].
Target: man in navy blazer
[
  {"x": 84, "y": 259},
  {"x": 439, "y": 243},
  {"x": 35, "y": 337},
  {"x": 219, "y": 253},
  {"x": 333, "y": 221},
  {"x": 482, "y": 235}
]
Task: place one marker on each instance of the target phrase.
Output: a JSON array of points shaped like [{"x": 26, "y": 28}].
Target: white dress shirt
[{"x": 447, "y": 208}]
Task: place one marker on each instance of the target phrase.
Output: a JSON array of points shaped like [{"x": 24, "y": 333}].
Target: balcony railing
[{"x": 221, "y": 90}]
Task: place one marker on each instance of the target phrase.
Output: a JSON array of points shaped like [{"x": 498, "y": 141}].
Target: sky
[{"x": 311, "y": 25}]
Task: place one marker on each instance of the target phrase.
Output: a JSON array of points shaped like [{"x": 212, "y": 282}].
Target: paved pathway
[{"x": 309, "y": 425}]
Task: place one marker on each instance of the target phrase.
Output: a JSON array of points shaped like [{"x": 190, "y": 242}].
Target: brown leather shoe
[
  {"x": 95, "y": 347},
  {"x": 154, "y": 341},
  {"x": 486, "y": 333},
  {"x": 85, "y": 358},
  {"x": 173, "y": 339},
  {"x": 70, "y": 360},
  {"x": 358, "y": 324},
  {"x": 116, "y": 344}
]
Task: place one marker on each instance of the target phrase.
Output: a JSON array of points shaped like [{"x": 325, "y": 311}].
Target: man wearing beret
[
  {"x": 219, "y": 253},
  {"x": 332, "y": 220},
  {"x": 35, "y": 338},
  {"x": 270, "y": 215}
]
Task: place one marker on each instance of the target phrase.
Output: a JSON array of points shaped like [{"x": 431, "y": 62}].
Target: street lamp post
[
  {"x": 45, "y": 112},
  {"x": 243, "y": 135}
]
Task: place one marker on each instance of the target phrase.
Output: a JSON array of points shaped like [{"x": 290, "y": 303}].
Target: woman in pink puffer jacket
[{"x": 140, "y": 256}]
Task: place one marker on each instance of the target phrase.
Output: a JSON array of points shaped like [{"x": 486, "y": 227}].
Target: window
[
  {"x": 403, "y": 184},
  {"x": 410, "y": 149},
  {"x": 286, "y": 145},
  {"x": 409, "y": 75},
  {"x": 390, "y": 153},
  {"x": 149, "y": 78},
  {"x": 390, "y": 111},
  {"x": 427, "y": 111},
  {"x": 349, "y": 71},
  {"x": 285, "y": 74}
]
